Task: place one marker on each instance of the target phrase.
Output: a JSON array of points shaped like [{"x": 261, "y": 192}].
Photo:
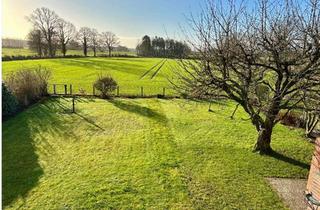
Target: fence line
[{"x": 120, "y": 91}]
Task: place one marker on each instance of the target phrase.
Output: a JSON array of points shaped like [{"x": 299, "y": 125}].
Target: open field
[
  {"x": 143, "y": 154},
  {"x": 82, "y": 72},
  {"x": 25, "y": 51},
  {"x": 16, "y": 52},
  {"x": 161, "y": 105}
]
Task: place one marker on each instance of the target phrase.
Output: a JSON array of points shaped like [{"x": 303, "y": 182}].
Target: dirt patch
[{"x": 291, "y": 191}]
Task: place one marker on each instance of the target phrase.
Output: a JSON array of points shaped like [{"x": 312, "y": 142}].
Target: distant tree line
[
  {"x": 51, "y": 33},
  {"x": 160, "y": 47},
  {"x": 13, "y": 43}
]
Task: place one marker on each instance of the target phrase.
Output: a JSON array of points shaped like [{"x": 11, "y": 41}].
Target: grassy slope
[
  {"x": 142, "y": 154},
  {"x": 82, "y": 72},
  {"x": 23, "y": 51}
]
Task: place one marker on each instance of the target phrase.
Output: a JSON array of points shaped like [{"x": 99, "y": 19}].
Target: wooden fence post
[
  {"x": 118, "y": 91},
  {"x": 54, "y": 88},
  {"x": 164, "y": 92},
  {"x": 142, "y": 91},
  {"x": 65, "y": 90},
  {"x": 73, "y": 107},
  {"x": 70, "y": 89}
]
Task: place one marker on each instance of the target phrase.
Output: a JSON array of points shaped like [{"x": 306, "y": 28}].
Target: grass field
[
  {"x": 82, "y": 72},
  {"x": 25, "y": 51},
  {"x": 16, "y": 51},
  {"x": 143, "y": 154}
]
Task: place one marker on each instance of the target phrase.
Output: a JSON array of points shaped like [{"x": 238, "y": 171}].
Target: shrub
[
  {"x": 29, "y": 85},
  {"x": 105, "y": 84},
  {"x": 9, "y": 102},
  {"x": 293, "y": 119},
  {"x": 82, "y": 91}
]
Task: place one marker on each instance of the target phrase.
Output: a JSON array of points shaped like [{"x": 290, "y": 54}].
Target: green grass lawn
[
  {"x": 82, "y": 72},
  {"x": 142, "y": 154},
  {"x": 25, "y": 51}
]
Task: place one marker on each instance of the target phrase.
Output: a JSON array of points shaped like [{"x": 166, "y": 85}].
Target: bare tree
[
  {"x": 94, "y": 40},
  {"x": 46, "y": 21},
  {"x": 66, "y": 32},
  {"x": 265, "y": 59},
  {"x": 110, "y": 40},
  {"x": 83, "y": 36},
  {"x": 311, "y": 119},
  {"x": 311, "y": 116},
  {"x": 35, "y": 42}
]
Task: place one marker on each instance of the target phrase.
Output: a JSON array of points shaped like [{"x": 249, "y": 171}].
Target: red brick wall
[{"x": 313, "y": 184}]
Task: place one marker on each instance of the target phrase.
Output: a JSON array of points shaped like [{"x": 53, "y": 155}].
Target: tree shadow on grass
[
  {"x": 289, "y": 160},
  {"x": 140, "y": 110},
  {"x": 88, "y": 120},
  {"x": 67, "y": 110},
  {"x": 20, "y": 168},
  {"x": 84, "y": 100},
  {"x": 22, "y": 141}
]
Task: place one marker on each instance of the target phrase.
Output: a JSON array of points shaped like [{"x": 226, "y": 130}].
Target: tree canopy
[
  {"x": 160, "y": 47},
  {"x": 266, "y": 59}
]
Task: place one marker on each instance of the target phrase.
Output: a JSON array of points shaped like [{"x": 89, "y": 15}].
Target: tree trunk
[
  {"x": 85, "y": 47},
  {"x": 109, "y": 51},
  {"x": 94, "y": 52},
  {"x": 265, "y": 129},
  {"x": 39, "y": 44},
  {"x": 64, "y": 50},
  {"x": 265, "y": 133},
  {"x": 264, "y": 140},
  {"x": 39, "y": 50},
  {"x": 50, "y": 47}
]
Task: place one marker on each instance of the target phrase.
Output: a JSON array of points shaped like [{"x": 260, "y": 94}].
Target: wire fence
[{"x": 120, "y": 91}]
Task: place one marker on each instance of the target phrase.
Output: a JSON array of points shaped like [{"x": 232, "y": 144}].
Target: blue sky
[{"x": 129, "y": 19}]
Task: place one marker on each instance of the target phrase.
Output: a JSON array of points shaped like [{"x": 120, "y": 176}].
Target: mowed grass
[
  {"x": 82, "y": 72},
  {"x": 26, "y": 51},
  {"x": 143, "y": 154}
]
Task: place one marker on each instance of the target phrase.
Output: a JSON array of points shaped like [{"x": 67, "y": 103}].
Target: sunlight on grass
[
  {"x": 142, "y": 154},
  {"x": 82, "y": 72}
]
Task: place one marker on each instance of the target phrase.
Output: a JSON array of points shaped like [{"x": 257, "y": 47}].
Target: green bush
[
  {"x": 292, "y": 118},
  {"x": 105, "y": 84},
  {"x": 29, "y": 85},
  {"x": 9, "y": 102}
]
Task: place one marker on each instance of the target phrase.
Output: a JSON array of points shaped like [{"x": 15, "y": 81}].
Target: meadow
[
  {"x": 130, "y": 73},
  {"x": 138, "y": 153},
  {"x": 143, "y": 154}
]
